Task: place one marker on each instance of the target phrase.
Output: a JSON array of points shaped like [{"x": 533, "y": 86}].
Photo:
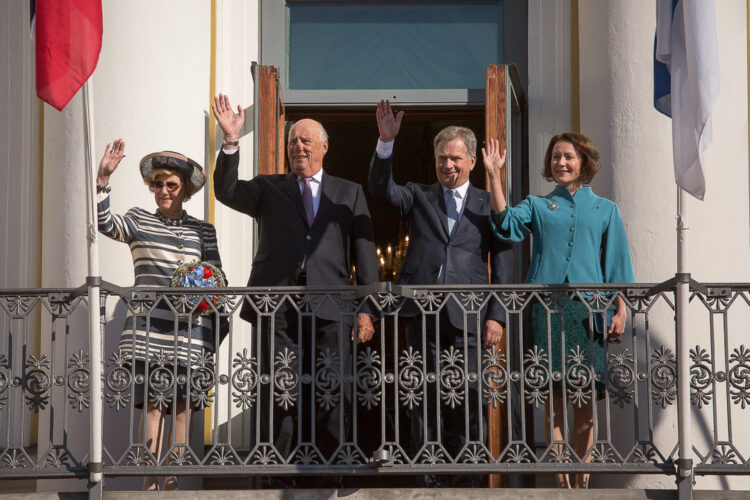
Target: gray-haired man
[{"x": 450, "y": 242}]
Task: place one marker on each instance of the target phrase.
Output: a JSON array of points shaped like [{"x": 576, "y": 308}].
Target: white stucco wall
[
  {"x": 617, "y": 113},
  {"x": 152, "y": 88}
]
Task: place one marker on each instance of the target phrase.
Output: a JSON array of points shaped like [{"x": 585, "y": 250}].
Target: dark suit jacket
[
  {"x": 341, "y": 233},
  {"x": 422, "y": 208}
]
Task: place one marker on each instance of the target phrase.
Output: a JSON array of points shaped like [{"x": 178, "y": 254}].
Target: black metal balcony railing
[{"x": 387, "y": 396}]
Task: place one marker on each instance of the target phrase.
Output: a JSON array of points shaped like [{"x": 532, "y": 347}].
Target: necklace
[{"x": 169, "y": 221}]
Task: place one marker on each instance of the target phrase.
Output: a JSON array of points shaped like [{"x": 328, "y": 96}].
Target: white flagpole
[
  {"x": 682, "y": 296},
  {"x": 93, "y": 281}
]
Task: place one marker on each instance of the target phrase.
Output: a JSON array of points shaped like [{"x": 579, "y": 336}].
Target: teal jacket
[{"x": 577, "y": 238}]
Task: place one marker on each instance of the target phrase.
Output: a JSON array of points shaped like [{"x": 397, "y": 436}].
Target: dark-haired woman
[
  {"x": 160, "y": 241},
  {"x": 579, "y": 237}
]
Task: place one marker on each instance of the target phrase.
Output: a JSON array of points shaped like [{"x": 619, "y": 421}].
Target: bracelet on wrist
[{"x": 103, "y": 188}]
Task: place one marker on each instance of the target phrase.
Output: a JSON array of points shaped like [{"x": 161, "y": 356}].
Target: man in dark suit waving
[
  {"x": 450, "y": 242},
  {"x": 312, "y": 227}
]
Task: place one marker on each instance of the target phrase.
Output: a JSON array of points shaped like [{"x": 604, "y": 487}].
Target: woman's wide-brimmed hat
[{"x": 190, "y": 170}]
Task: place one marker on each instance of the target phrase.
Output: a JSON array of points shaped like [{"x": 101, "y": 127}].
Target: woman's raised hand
[
  {"x": 493, "y": 164},
  {"x": 230, "y": 123},
  {"x": 493, "y": 160},
  {"x": 114, "y": 153}
]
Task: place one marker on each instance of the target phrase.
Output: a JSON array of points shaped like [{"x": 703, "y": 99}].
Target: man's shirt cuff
[{"x": 384, "y": 149}]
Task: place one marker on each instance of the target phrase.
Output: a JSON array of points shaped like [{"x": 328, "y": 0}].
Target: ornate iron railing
[{"x": 416, "y": 399}]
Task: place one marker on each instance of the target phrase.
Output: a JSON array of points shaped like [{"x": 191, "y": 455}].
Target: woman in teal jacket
[{"x": 578, "y": 238}]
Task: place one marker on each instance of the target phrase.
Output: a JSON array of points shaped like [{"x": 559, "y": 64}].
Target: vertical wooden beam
[
  {"x": 267, "y": 127},
  {"x": 494, "y": 116},
  {"x": 494, "y": 127},
  {"x": 281, "y": 166}
]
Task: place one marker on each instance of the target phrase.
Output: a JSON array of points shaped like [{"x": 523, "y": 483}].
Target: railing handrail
[{"x": 379, "y": 287}]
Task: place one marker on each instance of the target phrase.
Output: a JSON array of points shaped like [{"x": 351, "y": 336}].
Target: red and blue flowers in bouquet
[{"x": 199, "y": 275}]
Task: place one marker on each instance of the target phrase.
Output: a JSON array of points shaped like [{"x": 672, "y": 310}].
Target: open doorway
[{"x": 351, "y": 144}]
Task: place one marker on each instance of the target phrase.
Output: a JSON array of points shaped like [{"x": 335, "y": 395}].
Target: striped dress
[{"x": 158, "y": 246}]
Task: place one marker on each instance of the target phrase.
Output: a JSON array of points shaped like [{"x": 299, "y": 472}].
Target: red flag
[{"x": 68, "y": 42}]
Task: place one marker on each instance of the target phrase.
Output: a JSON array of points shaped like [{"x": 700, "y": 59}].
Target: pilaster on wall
[
  {"x": 237, "y": 31},
  {"x": 237, "y": 46},
  {"x": 20, "y": 171},
  {"x": 21, "y": 175},
  {"x": 549, "y": 81}
]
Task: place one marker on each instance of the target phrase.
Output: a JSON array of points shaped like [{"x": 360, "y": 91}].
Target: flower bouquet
[{"x": 199, "y": 275}]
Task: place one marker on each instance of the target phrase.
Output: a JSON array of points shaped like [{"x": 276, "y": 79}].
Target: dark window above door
[{"x": 406, "y": 45}]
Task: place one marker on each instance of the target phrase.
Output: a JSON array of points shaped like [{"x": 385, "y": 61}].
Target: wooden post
[
  {"x": 494, "y": 126},
  {"x": 270, "y": 126}
]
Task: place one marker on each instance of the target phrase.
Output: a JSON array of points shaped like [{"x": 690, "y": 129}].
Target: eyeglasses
[{"x": 171, "y": 186}]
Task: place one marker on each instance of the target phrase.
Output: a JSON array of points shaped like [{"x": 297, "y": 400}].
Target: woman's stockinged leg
[
  {"x": 583, "y": 438},
  {"x": 154, "y": 433},
  {"x": 179, "y": 439},
  {"x": 557, "y": 413}
]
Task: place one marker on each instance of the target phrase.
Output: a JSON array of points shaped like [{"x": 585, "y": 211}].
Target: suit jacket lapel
[
  {"x": 472, "y": 204},
  {"x": 438, "y": 203},
  {"x": 291, "y": 188}
]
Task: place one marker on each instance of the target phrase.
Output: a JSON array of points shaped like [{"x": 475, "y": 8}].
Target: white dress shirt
[
  {"x": 314, "y": 187},
  {"x": 460, "y": 195}
]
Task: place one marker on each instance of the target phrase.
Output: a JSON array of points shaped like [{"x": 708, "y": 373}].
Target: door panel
[{"x": 270, "y": 124}]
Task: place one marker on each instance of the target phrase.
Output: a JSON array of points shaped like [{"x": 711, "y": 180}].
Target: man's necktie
[
  {"x": 307, "y": 201},
  {"x": 451, "y": 210}
]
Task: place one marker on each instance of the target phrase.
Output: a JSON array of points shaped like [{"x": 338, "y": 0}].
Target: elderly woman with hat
[{"x": 160, "y": 241}]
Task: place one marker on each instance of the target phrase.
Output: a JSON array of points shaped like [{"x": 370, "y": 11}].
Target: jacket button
[
  {"x": 572, "y": 229},
  {"x": 567, "y": 258},
  {"x": 572, "y": 216},
  {"x": 180, "y": 246},
  {"x": 308, "y": 237},
  {"x": 570, "y": 243}
]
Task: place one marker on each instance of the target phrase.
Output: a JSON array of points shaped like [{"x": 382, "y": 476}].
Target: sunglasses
[{"x": 171, "y": 186}]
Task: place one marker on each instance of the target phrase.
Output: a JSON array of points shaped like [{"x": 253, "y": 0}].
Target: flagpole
[
  {"x": 93, "y": 280},
  {"x": 682, "y": 297}
]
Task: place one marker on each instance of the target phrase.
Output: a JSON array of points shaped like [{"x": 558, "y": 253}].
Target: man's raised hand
[
  {"x": 388, "y": 124},
  {"x": 230, "y": 123}
]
